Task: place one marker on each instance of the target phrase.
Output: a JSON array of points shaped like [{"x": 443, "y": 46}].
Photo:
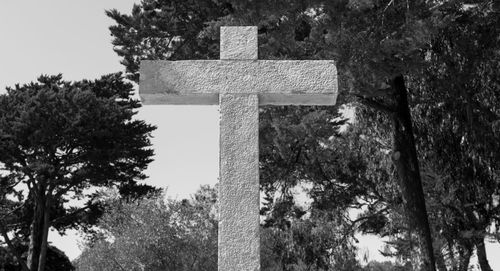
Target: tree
[
  {"x": 154, "y": 234},
  {"x": 319, "y": 243},
  {"x": 455, "y": 115},
  {"x": 457, "y": 120},
  {"x": 372, "y": 55},
  {"x": 57, "y": 140},
  {"x": 378, "y": 45},
  {"x": 384, "y": 266},
  {"x": 165, "y": 29},
  {"x": 56, "y": 259}
]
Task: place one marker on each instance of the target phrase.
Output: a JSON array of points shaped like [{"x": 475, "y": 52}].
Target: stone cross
[{"x": 239, "y": 83}]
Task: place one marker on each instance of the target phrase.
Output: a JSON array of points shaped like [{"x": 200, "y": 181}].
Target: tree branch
[
  {"x": 53, "y": 222},
  {"x": 63, "y": 191},
  {"x": 12, "y": 249},
  {"x": 376, "y": 105},
  {"x": 117, "y": 263},
  {"x": 12, "y": 211},
  {"x": 359, "y": 219},
  {"x": 12, "y": 185}
]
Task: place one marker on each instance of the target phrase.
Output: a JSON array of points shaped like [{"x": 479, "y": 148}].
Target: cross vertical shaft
[
  {"x": 239, "y": 198},
  {"x": 238, "y": 82}
]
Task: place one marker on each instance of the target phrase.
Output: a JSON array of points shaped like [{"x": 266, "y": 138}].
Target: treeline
[
  {"x": 157, "y": 234},
  {"x": 421, "y": 159}
]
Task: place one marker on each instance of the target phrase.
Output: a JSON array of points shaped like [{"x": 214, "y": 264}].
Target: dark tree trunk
[
  {"x": 36, "y": 235},
  {"x": 481, "y": 256},
  {"x": 45, "y": 234},
  {"x": 441, "y": 265},
  {"x": 407, "y": 165},
  {"x": 465, "y": 259},
  {"x": 39, "y": 231}
]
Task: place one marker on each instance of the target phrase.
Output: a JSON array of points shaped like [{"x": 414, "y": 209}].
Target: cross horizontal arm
[{"x": 307, "y": 82}]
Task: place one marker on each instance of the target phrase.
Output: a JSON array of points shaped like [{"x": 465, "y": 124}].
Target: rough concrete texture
[
  {"x": 239, "y": 242},
  {"x": 239, "y": 83},
  {"x": 238, "y": 42},
  {"x": 279, "y": 78}
]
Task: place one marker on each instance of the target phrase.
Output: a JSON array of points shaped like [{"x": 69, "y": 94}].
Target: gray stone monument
[{"x": 239, "y": 83}]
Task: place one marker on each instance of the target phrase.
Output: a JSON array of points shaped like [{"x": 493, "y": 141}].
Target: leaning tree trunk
[
  {"x": 407, "y": 165},
  {"x": 481, "y": 256}
]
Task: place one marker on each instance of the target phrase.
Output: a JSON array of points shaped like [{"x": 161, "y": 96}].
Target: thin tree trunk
[
  {"x": 36, "y": 234},
  {"x": 481, "y": 256},
  {"x": 407, "y": 165},
  {"x": 45, "y": 234},
  {"x": 441, "y": 265},
  {"x": 465, "y": 258}
]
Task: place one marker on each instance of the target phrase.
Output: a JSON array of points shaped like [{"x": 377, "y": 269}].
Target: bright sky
[{"x": 72, "y": 37}]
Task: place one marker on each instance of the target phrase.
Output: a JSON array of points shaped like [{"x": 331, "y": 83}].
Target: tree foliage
[
  {"x": 324, "y": 243},
  {"x": 154, "y": 234},
  {"x": 165, "y": 29},
  {"x": 455, "y": 112},
  {"x": 57, "y": 140},
  {"x": 402, "y": 64},
  {"x": 56, "y": 259},
  {"x": 457, "y": 115}
]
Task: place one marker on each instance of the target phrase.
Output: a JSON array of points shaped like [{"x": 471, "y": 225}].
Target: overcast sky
[{"x": 72, "y": 38}]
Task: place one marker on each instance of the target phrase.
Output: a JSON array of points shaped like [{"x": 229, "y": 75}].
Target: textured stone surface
[
  {"x": 239, "y": 240},
  {"x": 239, "y": 83},
  {"x": 181, "y": 81},
  {"x": 238, "y": 42}
]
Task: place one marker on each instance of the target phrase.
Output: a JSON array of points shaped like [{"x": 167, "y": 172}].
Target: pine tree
[{"x": 57, "y": 140}]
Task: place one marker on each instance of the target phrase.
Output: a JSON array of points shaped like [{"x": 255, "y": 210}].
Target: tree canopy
[
  {"x": 382, "y": 49},
  {"x": 58, "y": 139},
  {"x": 422, "y": 157},
  {"x": 154, "y": 234},
  {"x": 375, "y": 43}
]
